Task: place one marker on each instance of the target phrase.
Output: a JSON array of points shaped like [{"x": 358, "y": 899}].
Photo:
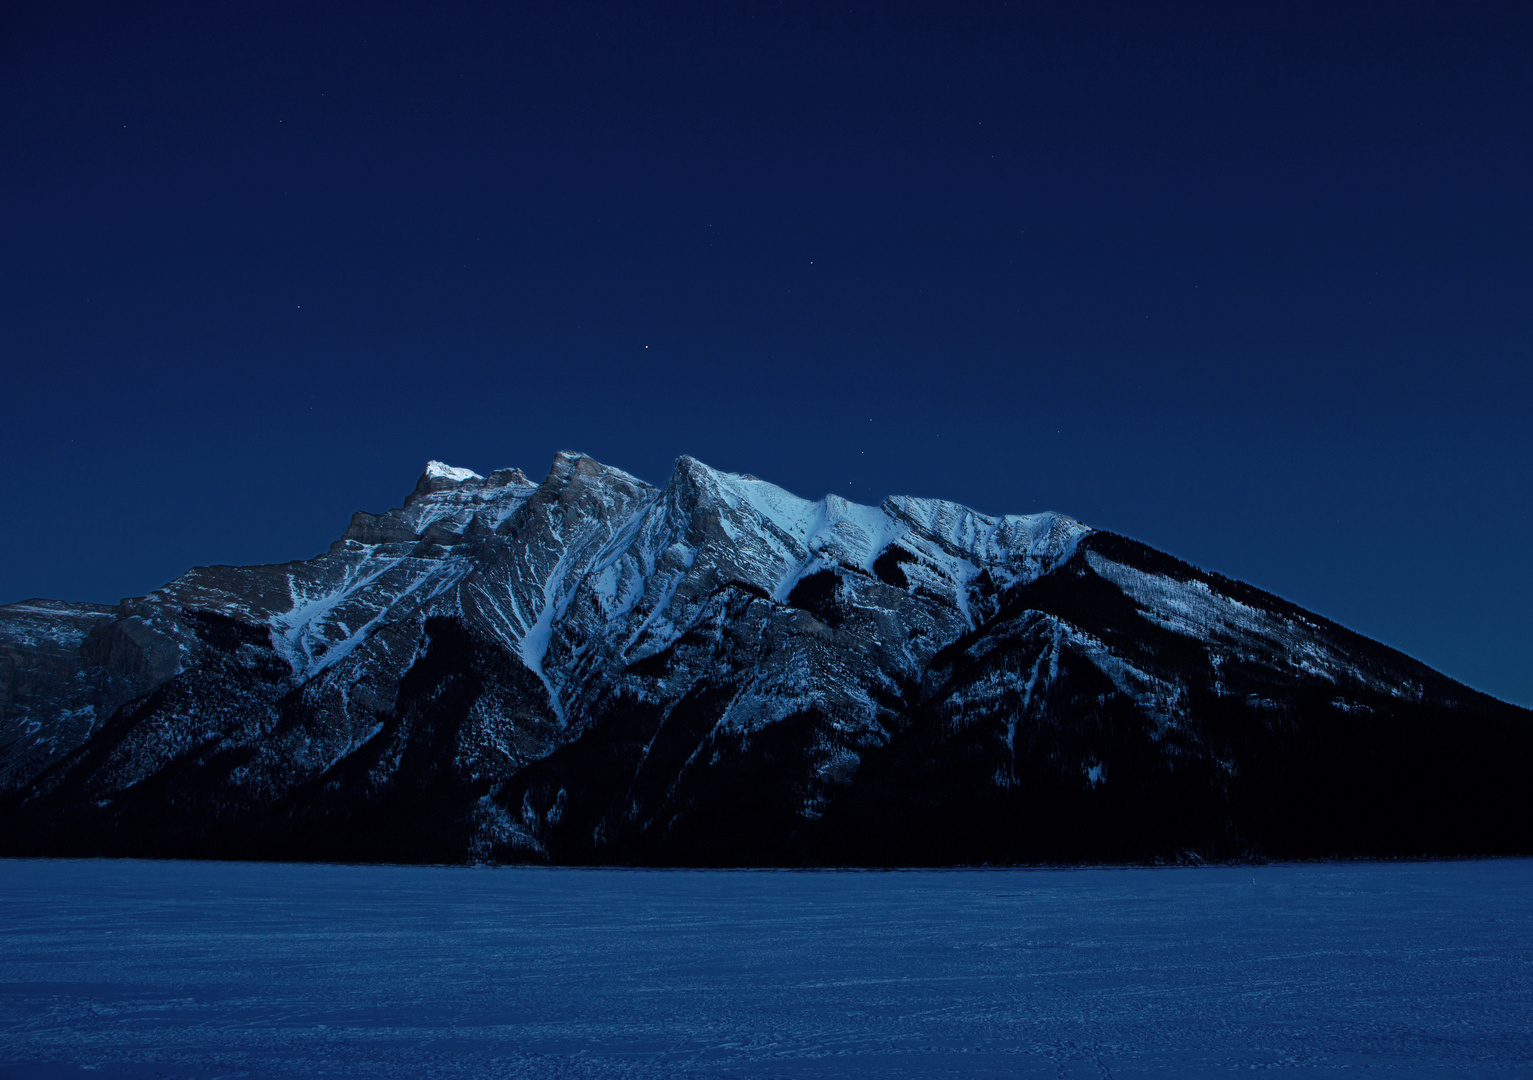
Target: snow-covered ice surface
[{"x": 131, "y": 969}]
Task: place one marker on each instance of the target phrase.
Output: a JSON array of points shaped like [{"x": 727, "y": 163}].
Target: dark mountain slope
[{"x": 1025, "y": 750}]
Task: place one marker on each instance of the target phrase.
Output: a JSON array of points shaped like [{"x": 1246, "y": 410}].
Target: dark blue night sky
[{"x": 1249, "y": 282}]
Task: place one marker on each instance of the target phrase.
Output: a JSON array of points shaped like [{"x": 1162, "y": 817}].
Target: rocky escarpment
[{"x": 714, "y": 671}]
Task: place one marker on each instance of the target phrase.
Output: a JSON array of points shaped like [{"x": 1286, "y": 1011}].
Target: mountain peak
[
  {"x": 440, "y": 476},
  {"x": 438, "y": 470}
]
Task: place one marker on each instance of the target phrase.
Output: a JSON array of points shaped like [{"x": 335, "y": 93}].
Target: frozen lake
[{"x": 139, "y": 969}]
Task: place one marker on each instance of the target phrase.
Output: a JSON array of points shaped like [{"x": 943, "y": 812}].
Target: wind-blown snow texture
[
  {"x": 594, "y": 669},
  {"x": 130, "y": 970}
]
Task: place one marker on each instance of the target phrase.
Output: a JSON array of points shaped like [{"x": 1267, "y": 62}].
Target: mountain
[{"x": 592, "y": 669}]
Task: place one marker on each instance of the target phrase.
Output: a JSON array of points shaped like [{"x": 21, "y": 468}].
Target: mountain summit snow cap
[
  {"x": 437, "y": 470},
  {"x": 440, "y": 476}
]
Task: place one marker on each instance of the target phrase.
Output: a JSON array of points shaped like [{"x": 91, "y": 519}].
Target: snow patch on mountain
[{"x": 441, "y": 471}]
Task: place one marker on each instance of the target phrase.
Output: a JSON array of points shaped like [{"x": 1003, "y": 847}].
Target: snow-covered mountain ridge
[{"x": 592, "y": 668}]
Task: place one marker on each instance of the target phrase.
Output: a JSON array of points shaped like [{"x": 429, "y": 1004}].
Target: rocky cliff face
[{"x": 593, "y": 669}]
